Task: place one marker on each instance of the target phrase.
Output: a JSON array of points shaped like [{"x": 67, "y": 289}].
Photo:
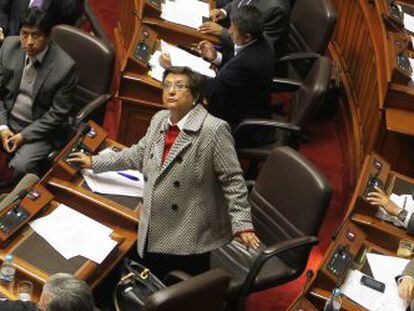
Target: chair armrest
[
  {"x": 298, "y": 57},
  {"x": 267, "y": 123},
  {"x": 96, "y": 26},
  {"x": 174, "y": 277},
  {"x": 89, "y": 108},
  {"x": 274, "y": 250},
  {"x": 285, "y": 85}
]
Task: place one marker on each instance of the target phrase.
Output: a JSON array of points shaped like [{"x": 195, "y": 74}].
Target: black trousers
[{"x": 162, "y": 264}]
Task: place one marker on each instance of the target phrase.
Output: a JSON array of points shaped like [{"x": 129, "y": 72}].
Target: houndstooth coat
[{"x": 196, "y": 199}]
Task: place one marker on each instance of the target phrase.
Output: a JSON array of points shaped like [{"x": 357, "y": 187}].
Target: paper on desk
[
  {"x": 71, "y": 233},
  {"x": 179, "y": 57},
  {"x": 185, "y": 12},
  {"x": 408, "y": 21},
  {"x": 370, "y": 298},
  {"x": 157, "y": 71},
  {"x": 404, "y": 201},
  {"x": 394, "y": 267},
  {"x": 115, "y": 184}
]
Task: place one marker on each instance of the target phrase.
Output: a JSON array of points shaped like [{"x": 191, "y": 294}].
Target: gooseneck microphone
[{"x": 20, "y": 191}]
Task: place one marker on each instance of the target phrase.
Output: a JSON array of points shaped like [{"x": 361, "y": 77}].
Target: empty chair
[
  {"x": 287, "y": 130},
  {"x": 288, "y": 202},
  {"x": 95, "y": 61},
  {"x": 205, "y": 292},
  {"x": 312, "y": 23}
]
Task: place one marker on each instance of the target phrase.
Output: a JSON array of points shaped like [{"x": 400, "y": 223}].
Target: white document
[
  {"x": 115, "y": 183},
  {"x": 404, "y": 201},
  {"x": 157, "y": 71},
  {"x": 408, "y": 21},
  {"x": 71, "y": 233},
  {"x": 185, "y": 12},
  {"x": 179, "y": 57},
  {"x": 394, "y": 267},
  {"x": 370, "y": 298}
]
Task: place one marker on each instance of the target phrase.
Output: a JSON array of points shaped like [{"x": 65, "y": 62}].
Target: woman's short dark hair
[
  {"x": 194, "y": 80},
  {"x": 36, "y": 17},
  {"x": 248, "y": 20}
]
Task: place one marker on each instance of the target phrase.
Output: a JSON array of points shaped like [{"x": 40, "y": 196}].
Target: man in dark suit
[
  {"x": 11, "y": 11},
  {"x": 37, "y": 79},
  {"x": 241, "y": 88},
  {"x": 275, "y": 14}
]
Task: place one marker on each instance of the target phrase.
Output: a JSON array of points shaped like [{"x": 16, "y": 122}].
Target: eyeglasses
[
  {"x": 35, "y": 35},
  {"x": 179, "y": 86}
]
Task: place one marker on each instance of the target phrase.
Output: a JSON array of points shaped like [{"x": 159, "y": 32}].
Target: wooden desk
[
  {"x": 141, "y": 95},
  {"x": 67, "y": 178},
  {"x": 35, "y": 260},
  {"x": 360, "y": 232}
]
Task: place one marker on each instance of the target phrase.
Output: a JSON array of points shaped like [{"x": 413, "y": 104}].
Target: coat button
[
  {"x": 179, "y": 159},
  {"x": 174, "y": 207},
  {"x": 145, "y": 178},
  {"x": 176, "y": 184}
]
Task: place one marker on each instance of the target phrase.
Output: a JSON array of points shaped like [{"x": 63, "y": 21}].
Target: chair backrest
[
  {"x": 94, "y": 59},
  {"x": 312, "y": 23},
  {"x": 309, "y": 97},
  {"x": 205, "y": 292},
  {"x": 289, "y": 199}
]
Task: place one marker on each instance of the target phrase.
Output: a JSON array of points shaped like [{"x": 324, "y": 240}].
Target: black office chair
[
  {"x": 286, "y": 130},
  {"x": 288, "y": 203},
  {"x": 95, "y": 61},
  {"x": 205, "y": 292},
  {"x": 312, "y": 23}
]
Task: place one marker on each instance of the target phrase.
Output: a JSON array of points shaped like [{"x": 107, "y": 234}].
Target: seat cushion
[{"x": 236, "y": 260}]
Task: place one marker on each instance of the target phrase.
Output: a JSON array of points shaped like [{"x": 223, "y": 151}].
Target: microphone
[{"x": 20, "y": 191}]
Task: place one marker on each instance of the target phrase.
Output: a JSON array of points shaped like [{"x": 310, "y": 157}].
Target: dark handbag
[{"x": 135, "y": 286}]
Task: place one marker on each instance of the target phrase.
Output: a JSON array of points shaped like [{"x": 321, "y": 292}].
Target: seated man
[
  {"x": 275, "y": 14},
  {"x": 64, "y": 292},
  {"x": 11, "y": 12},
  {"x": 36, "y": 82},
  {"x": 241, "y": 88}
]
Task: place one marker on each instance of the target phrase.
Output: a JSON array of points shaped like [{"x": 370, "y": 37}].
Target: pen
[
  {"x": 405, "y": 202},
  {"x": 134, "y": 178}
]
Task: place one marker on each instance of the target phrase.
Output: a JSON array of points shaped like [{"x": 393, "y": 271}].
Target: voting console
[{"x": 361, "y": 233}]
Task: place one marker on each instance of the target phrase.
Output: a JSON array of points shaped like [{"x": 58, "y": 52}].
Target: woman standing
[{"x": 195, "y": 198}]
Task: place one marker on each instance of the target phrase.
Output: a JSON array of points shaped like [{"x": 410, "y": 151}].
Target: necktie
[
  {"x": 37, "y": 3},
  {"x": 30, "y": 69}
]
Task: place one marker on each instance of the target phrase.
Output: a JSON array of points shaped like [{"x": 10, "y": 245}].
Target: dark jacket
[
  {"x": 241, "y": 88},
  {"x": 275, "y": 15},
  {"x": 63, "y": 12},
  {"x": 53, "y": 88}
]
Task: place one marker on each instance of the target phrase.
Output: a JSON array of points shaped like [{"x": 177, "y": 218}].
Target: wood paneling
[{"x": 365, "y": 54}]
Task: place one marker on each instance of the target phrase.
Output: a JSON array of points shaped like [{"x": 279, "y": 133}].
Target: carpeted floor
[{"x": 323, "y": 149}]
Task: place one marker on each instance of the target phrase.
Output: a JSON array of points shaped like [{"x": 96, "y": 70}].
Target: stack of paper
[
  {"x": 179, "y": 57},
  {"x": 370, "y": 298},
  {"x": 72, "y": 233},
  {"x": 189, "y": 13}
]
